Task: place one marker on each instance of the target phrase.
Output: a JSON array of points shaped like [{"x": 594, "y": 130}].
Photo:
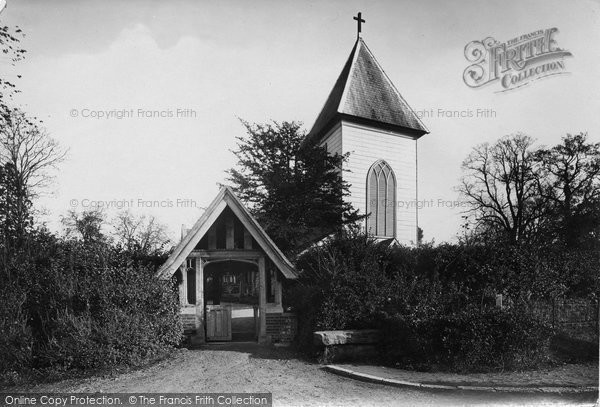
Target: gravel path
[{"x": 293, "y": 382}]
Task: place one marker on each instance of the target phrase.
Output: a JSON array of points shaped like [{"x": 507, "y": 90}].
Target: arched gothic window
[{"x": 381, "y": 200}]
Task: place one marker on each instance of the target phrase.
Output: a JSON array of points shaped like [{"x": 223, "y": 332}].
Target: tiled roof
[
  {"x": 364, "y": 91},
  {"x": 226, "y": 198}
]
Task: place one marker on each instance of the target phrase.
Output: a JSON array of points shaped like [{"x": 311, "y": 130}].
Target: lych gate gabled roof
[
  {"x": 226, "y": 198},
  {"x": 364, "y": 92}
]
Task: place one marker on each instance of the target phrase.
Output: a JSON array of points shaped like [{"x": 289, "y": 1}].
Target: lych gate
[
  {"x": 230, "y": 276},
  {"x": 231, "y": 273}
]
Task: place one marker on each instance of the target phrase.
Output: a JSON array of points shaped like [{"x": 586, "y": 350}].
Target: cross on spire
[{"x": 359, "y": 21}]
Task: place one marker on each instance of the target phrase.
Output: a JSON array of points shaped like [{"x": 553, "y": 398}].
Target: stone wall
[
  {"x": 347, "y": 345},
  {"x": 578, "y": 318},
  {"x": 281, "y": 327}
]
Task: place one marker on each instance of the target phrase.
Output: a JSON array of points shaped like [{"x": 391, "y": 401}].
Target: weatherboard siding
[
  {"x": 367, "y": 145},
  {"x": 333, "y": 140}
]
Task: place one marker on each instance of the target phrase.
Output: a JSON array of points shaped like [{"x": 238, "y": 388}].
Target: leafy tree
[
  {"x": 295, "y": 191},
  {"x": 420, "y": 236},
  {"x": 141, "y": 234},
  {"x": 14, "y": 220},
  {"x": 85, "y": 226},
  {"x": 569, "y": 182},
  {"x": 500, "y": 183}
]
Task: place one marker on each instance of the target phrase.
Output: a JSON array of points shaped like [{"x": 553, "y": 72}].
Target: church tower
[{"x": 366, "y": 116}]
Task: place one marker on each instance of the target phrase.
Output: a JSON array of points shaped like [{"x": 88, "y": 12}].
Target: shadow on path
[{"x": 256, "y": 350}]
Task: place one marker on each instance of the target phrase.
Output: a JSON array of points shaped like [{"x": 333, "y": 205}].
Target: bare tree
[
  {"x": 139, "y": 233},
  {"x": 500, "y": 183},
  {"x": 27, "y": 154},
  {"x": 30, "y": 151}
]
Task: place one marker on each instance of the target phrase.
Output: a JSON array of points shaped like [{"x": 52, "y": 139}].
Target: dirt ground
[{"x": 292, "y": 381}]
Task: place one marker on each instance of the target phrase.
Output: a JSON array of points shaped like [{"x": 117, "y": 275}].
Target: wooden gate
[{"x": 218, "y": 322}]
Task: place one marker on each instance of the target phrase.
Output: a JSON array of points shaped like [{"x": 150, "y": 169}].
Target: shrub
[
  {"x": 76, "y": 305},
  {"x": 306, "y": 301},
  {"x": 350, "y": 282},
  {"x": 15, "y": 334},
  {"x": 112, "y": 316},
  {"x": 470, "y": 340},
  {"x": 436, "y": 304}
]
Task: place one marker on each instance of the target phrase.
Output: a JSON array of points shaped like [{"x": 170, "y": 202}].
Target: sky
[{"x": 172, "y": 79}]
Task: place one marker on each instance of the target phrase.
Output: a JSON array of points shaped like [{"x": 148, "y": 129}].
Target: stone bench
[{"x": 346, "y": 345}]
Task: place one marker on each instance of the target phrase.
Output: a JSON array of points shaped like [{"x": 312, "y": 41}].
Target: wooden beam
[
  {"x": 225, "y": 198},
  {"x": 193, "y": 237},
  {"x": 256, "y": 323},
  {"x": 229, "y": 236},
  {"x": 262, "y": 300},
  {"x": 247, "y": 240},
  {"x": 212, "y": 238},
  {"x": 183, "y": 299},
  {"x": 227, "y": 254},
  {"x": 278, "y": 290},
  {"x": 261, "y": 237},
  {"x": 199, "y": 336},
  {"x": 184, "y": 231}
]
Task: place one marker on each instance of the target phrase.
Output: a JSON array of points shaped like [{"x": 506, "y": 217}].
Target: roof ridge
[
  {"x": 354, "y": 55},
  {"x": 323, "y": 116}
]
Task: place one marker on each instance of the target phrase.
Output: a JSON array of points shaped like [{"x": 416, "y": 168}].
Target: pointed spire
[{"x": 364, "y": 93}]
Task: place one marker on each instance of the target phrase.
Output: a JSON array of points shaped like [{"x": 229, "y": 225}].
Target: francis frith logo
[{"x": 514, "y": 63}]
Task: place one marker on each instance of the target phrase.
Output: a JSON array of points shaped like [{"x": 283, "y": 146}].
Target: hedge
[
  {"x": 66, "y": 304},
  {"x": 438, "y": 302}
]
